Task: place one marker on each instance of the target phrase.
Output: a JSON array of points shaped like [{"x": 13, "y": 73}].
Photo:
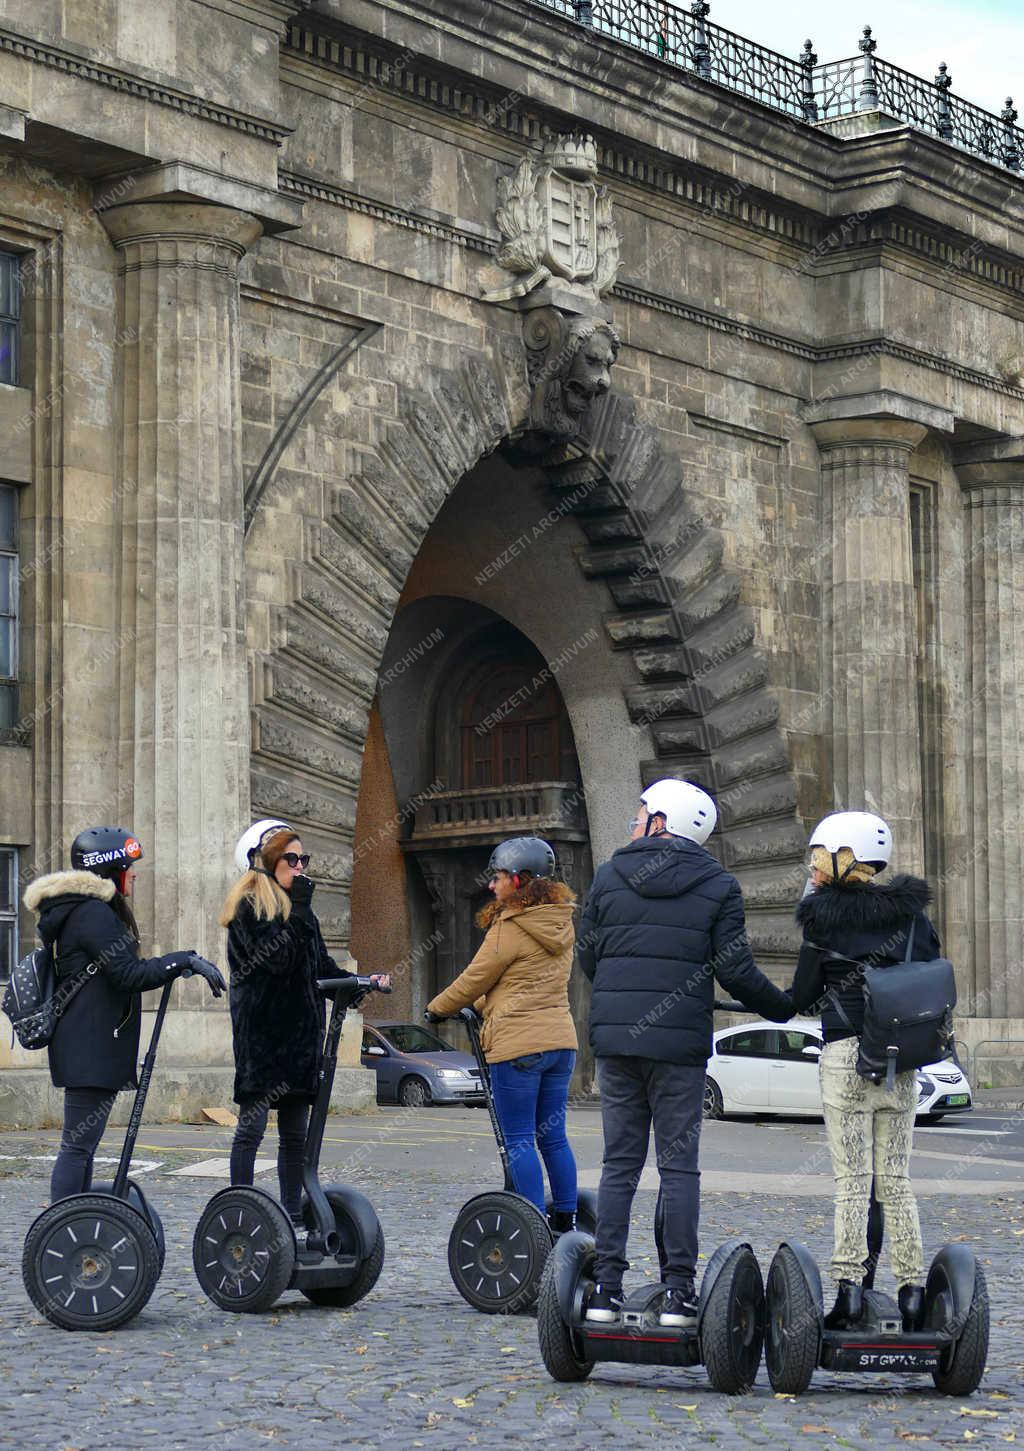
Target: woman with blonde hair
[
  {"x": 276, "y": 953},
  {"x": 851, "y": 922},
  {"x": 520, "y": 978}
]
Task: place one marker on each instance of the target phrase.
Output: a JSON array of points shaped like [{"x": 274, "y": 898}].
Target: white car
[{"x": 764, "y": 1067}]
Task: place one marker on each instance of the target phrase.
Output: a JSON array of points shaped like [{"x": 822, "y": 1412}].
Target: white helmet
[
  {"x": 250, "y": 841},
  {"x": 866, "y": 835},
  {"x": 688, "y": 811}
]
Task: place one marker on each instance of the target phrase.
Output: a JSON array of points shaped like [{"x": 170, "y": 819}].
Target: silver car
[{"x": 415, "y": 1067}]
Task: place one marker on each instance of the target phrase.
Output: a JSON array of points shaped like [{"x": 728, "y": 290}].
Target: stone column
[
  {"x": 183, "y": 733},
  {"x": 993, "y": 485},
  {"x": 870, "y": 626}
]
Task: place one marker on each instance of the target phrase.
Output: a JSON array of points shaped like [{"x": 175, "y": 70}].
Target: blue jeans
[{"x": 530, "y": 1097}]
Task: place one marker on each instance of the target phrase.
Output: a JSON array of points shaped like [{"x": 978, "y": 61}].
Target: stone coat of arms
[{"x": 556, "y": 221}]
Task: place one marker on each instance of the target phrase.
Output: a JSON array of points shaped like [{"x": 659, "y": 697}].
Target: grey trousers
[
  {"x": 870, "y": 1134},
  {"x": 636, "y": 1092}
]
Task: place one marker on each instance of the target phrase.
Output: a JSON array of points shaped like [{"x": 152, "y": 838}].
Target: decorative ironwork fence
[{"x": 801, "y": 88}]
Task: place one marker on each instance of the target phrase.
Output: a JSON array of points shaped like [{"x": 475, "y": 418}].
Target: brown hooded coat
[{"x": 520, "y": 980}]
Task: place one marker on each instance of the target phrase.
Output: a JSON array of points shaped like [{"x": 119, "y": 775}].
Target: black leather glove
[
  {"x": 208, "y": 970},
  {"x": 433, "y": 1017},
  {"x": 301, "y": 894}
]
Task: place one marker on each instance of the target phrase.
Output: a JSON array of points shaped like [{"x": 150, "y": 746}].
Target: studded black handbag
[{"x": 36, "y": 998}]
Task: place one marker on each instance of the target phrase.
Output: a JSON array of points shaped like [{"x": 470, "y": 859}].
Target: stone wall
[{"x": 253, "y": 310}]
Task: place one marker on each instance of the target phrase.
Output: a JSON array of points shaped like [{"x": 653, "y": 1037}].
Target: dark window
[
  {"x": 754, "y": 1043},
  {"x": 515, "y": 729},
  {"x": 9, "y": 313},
  {"x": 8, "y": 910},
  {"x": 409, "y": 1038},
  {"x": 370, "y": 1040},
  {"x": 792, "y": 1044},
  {"x": 8, "y": 606}
]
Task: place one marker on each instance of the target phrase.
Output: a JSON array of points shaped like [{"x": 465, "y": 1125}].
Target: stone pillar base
[{"x": 28, "y": 1100}]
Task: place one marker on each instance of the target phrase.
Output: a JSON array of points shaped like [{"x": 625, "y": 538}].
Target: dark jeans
[
  {"x": 86, "y": 1111},
  {"x": 530, "y": 1096},
  {"x": 292, "y": 1117},
  {"x": 635, "y": 1092}
]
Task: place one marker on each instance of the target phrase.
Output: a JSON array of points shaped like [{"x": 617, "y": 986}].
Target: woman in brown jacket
[{"x": 520, "y": 979}]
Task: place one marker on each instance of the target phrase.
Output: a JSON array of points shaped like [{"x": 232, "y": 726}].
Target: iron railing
[{"x": 801, "y": 88}]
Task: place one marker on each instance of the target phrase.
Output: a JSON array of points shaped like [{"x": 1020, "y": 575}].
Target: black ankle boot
[
  {"x": 562, "y": 1220},
  {"x": 911, "y": 1302},
  {"x": 847, "y": 1310}
]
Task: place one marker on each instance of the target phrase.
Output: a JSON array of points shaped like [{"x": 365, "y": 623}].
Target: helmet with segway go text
[{"x": 106, "y": 851}]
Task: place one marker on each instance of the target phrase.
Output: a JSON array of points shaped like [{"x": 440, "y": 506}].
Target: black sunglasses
[{"x": 294, "y": 860}]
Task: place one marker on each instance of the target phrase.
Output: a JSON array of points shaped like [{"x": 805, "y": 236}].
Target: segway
[
  {"x": 92, "y": 1261},
  {"x": 246, "y": 1251},
  {"x": 726, "y": 1340},
  {"x": 500, "y": 1241},
  {"x": 953, "y": 1345}
]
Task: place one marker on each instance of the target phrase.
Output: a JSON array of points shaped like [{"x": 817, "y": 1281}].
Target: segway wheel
[
  {"x": 791, "y": 1333},
  {"x": 90, "y": 1263},
  {"x": 243, "y": 1250},
  {"x": 963, "y": 1364},
  {"x": 732, "y": 1325},
  {"x": 559, "y": 1347},
  {"x": 497, "y": 1251}
]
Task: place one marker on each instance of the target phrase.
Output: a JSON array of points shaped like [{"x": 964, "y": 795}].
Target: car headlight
[
  {"x": 452, "y": 1073},
  {"x": 924, "y": 1086}
]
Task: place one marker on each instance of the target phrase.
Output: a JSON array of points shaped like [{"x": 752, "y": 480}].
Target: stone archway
[{"x": 701, "y": 690}]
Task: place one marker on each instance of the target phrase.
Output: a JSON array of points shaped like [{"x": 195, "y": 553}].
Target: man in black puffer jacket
[{"x": 662, "y": 921}]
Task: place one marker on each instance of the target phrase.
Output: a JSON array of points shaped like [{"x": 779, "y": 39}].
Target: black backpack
[
  {"x": 36, "y": 997},
  {"x": 908, "y": 1015}
]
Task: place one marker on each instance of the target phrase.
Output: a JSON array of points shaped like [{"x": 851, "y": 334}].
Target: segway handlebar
[{"x": 350, "y": 987}]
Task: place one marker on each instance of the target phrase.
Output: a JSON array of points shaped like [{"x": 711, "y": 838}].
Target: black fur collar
[{"x": 863, "y": 905}]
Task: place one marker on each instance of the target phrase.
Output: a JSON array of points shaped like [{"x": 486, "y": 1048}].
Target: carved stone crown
[{"x": 576, "y": 155}]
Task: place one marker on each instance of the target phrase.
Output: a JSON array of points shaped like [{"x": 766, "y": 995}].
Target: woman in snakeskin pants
[{"x": 869, "y": 1129}]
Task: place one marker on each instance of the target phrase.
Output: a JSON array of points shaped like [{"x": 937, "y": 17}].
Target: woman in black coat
[
  {"x": 87, "y": 923},
  {"x": 276, "y": 952},
  {"x": 869, "y": 1128}
]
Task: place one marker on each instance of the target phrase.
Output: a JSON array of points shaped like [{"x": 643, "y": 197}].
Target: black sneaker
[
  {"x": 605, "y": 1304},
  {"x": 679, "y": 1307}
]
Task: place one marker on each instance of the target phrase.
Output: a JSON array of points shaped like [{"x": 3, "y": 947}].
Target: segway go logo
[{"x": 131, "y": 848}]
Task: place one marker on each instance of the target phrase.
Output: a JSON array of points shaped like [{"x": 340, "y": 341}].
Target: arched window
[{"x": 515, "y": 727}]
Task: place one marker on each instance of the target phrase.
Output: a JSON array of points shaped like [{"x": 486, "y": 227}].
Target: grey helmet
[{"x": 523, "y": 854}]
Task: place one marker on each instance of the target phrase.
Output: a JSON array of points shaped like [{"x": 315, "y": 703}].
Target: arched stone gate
[{"x": 700, "y": 695}]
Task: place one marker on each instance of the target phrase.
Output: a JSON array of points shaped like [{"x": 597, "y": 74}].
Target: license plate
[{"x": 955, "y": 1098}]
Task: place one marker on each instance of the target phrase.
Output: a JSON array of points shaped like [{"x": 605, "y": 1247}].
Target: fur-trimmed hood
[
  {"x": 863, "y": 906},
  {"x": 67, "y": 884}
]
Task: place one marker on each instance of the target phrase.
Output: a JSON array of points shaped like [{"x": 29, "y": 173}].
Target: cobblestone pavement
[{"x": 414, "y": 1366}]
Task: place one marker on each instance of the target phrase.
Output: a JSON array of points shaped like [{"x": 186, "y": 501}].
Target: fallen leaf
[
  {"x": 912, "y": 1436},
  {"x": 685, "y": 1408},
  {"x": 508, "y": 1350},
  {"x": 361, "y": 1349},
  {"x": 999, "y": 1395},
  {"x": 782, "y": 1396},
  {"x": 462, "y": 1401},
  {"x": 433, "y": 1418},
  {"x": 970, "y": 1411},
  {"x": 970, "y": 1435},
  {"x": 821, "y": 1430}
]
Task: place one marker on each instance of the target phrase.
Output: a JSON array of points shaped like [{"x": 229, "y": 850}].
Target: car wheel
[
  {"x": 413, "y": 1093},
  {"x": 712, "y": 1099}
]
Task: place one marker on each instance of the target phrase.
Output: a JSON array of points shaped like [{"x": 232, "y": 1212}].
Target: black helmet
[
  {"x": 523, "y": 854},
  {"x": 105, "y": 850}
]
